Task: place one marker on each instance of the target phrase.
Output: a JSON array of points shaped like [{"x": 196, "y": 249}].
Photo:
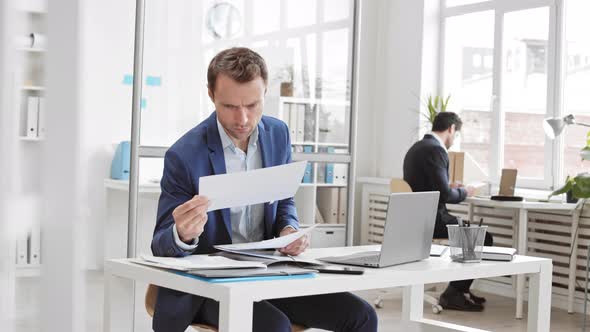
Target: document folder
[{"x": 253, "y": 276}]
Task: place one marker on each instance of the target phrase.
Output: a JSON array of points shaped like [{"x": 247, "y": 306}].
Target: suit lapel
[
  {"x": 217, "y": 160},
  {"x": 264, "y": 141}
]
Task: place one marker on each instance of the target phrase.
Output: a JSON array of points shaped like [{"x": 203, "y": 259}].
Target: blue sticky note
[
  {"x": 153, "y": 80},
  {"x": 143, "y": 103},
  {"x": 128, "y": 79}
]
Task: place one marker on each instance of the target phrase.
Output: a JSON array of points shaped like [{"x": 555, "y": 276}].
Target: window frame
[{"x": 554, "y": 154}]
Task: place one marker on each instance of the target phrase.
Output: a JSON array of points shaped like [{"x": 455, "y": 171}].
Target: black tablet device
[{"x": 339, "y": 269}]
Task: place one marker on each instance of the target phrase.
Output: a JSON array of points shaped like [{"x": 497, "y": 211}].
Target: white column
[
  {"x": 62, "y": 286},
  {"x": 8, "y": 141}
]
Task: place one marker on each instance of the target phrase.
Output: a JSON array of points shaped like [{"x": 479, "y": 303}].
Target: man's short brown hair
[{"x": 239, "y": 63}]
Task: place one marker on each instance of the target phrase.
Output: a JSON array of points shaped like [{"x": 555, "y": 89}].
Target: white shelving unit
[
  {"x": 323, "y": 200},
  {"x": 29, "y": 82}
]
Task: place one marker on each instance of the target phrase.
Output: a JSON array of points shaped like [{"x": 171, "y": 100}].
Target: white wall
[
  {"x": 398, "y": 64},
  {"x": 107, "y": 29}
]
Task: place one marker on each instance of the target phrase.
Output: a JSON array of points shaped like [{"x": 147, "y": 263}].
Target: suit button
[{"x": 171, "y": 251}]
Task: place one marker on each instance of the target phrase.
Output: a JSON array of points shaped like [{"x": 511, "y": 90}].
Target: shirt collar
[
  {"x": 440, "y": 141},
  {"x": 227, "y": 142}
]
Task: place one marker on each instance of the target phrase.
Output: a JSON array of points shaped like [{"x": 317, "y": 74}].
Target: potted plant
[
  {"x": 578, "y": 186},
  {"x": 285, "y": 76},
  {"x": 434, "y": 106}
]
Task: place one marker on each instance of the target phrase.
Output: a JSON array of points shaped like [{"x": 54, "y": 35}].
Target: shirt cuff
[
  {"x": 288, "y": 226},
  {"x": 182, "y": 245}
]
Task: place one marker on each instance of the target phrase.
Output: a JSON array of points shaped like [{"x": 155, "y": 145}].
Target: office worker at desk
[
  {"x": 426, "y": 168},
  {"x": 237, "y": 137}
]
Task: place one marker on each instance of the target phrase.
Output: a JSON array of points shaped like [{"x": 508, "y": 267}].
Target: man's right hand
[
  {"x": 190, "y": 218},
  {"x": 470, "y": 191}
]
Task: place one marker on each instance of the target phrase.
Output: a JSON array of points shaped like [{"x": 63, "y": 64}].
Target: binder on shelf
[
  {"x": 318, "y": 216},
  {"x": 35, "y": 243},
  {"x": 285, "y": 115},
  {"x": 42, "y": 117},
  {"x": 308, "y": 174},
  {"x": 292, "y": 121},
  {"x": 329, "y": 178},
  {"x": 300, "y": 122},
  {"x": 21, "y": 248},
  {"x": 340, "y": 174},
  {"x": 32, "y": 116},
  {"x": 342, "y": 205},
  {"x": 327, "y": 199},
  {"x": 309, "y": 127}
]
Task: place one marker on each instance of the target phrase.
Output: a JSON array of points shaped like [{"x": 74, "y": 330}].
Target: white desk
[
  {"x": 236, "y": 299},
  {"x": 521, "y": 218}
]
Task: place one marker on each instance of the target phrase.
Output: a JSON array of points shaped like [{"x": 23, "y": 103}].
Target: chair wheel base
[
  {"x": 437, "y": 309},
  {"x": 378, "y": 303}
]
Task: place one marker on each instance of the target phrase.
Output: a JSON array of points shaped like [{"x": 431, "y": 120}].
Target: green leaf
[
  {"x": 588, "y": 139},
  {"x": 569, "y": 182},
  {"x": 443, "y": 107},
  {"x": 581, "y": 188}
]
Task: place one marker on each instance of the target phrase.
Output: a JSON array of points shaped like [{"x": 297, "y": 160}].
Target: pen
[{"x": 480, "y": 222}]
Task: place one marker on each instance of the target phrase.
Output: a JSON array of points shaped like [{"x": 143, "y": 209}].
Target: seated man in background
[
  {"x": 236, "y": 138},
  {"x": 426, "y": 168}
]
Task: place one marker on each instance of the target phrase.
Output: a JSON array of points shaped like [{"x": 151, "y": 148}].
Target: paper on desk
[
  {"x": 197, "y": 262},
  {"x": 252, "y": 187},
  {"x": 276, "y": 243}
]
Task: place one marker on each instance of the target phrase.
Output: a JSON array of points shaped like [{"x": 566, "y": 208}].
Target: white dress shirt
[{"x": 247, "y": 222}]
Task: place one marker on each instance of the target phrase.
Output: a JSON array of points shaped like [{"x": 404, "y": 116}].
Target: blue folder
[{"x": 240, "y": 279}]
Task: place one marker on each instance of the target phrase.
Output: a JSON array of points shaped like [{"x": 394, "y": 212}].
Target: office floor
[{"x": 498, "y": 315}]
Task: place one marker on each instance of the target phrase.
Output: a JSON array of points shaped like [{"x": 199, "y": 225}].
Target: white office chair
[{"x": 400, "y": 186}]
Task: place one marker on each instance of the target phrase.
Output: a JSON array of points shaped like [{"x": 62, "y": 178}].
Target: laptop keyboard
[{"x": 369, "y": 259}]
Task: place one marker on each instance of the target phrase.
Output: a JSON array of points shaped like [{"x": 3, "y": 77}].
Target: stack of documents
[
  {"x": 265, "y": 251},
  {"x": 197, "y": 262},
  {"x": 275, "y": 270},
  {"x": 498, "y": 254}
]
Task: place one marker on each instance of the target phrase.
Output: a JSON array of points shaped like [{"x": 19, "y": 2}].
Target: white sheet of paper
[
  {"x": 276, "y": 243},
  {"x": 197, "y": 262},
  {"x": 252, "y": 187}
]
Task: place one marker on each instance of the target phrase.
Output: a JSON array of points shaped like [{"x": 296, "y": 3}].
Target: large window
[
  {"x": 503, "y": 76},
  {"x": 576, "y": 84},
  {"x": 307, "y": 45}
]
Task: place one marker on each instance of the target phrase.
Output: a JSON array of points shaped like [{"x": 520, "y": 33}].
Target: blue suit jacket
[{"x": 200, "y": 153}]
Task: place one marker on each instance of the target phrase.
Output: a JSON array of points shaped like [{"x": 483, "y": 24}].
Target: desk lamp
[{"x": 554, "y": 126}]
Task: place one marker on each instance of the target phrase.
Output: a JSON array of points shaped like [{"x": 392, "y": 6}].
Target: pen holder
[{"x": 466, "y": 243}]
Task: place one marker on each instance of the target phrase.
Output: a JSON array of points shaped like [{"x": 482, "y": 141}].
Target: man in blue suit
[{"x": 237, "y": 137}]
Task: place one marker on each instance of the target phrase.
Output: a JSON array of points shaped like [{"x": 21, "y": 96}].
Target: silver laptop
[{"x": 407, "y": 237}]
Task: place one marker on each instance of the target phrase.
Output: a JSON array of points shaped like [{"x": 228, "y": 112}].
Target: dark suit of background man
[
  {"x": 235, "y": 138},
  {"x": 426, "y": 168}
]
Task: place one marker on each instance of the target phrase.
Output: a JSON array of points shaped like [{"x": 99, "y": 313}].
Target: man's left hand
[{"x": 296, "y": 247}]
